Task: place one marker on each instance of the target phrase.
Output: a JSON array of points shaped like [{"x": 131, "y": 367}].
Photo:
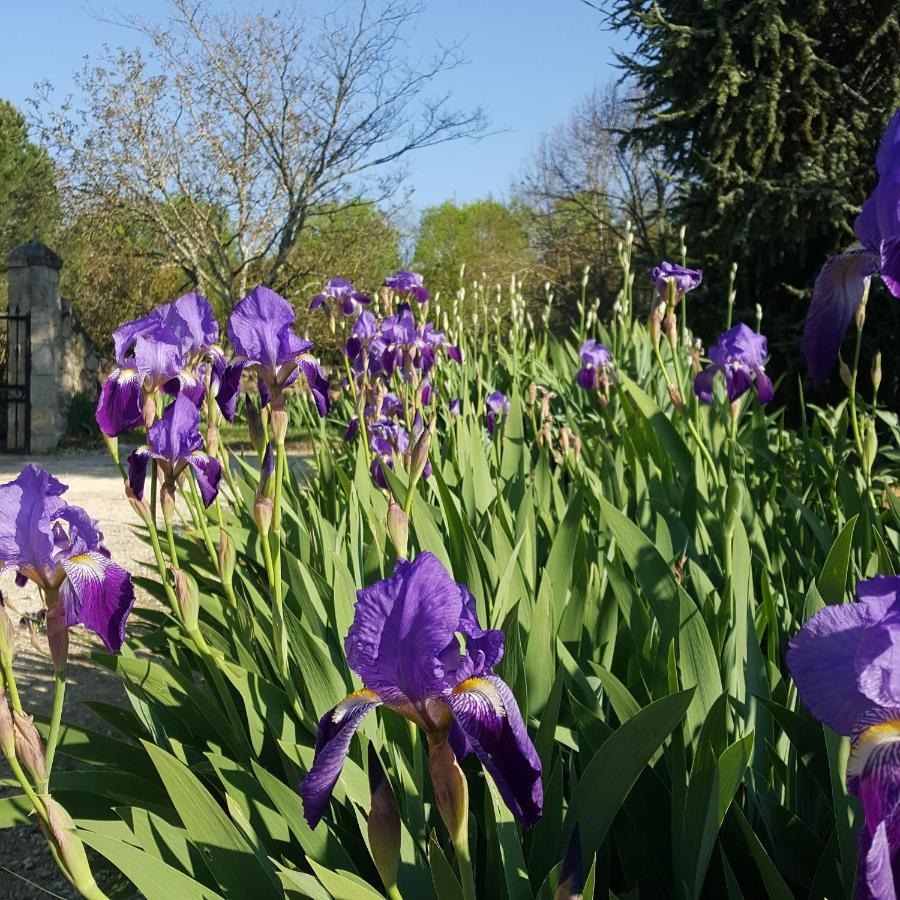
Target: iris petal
[
  {"x": 822, "y": 658},
  {"x": 99, "y": 595},
  {"x": 486, "y": 711},
  {"x": 333, "y": 736},
  {"x": 836, "y": 295},
  {"x": 703, "y": 383},
  {"x": 890, "y": 264},
  {"x": 401, "y": 625},
  {"x": 209, "y": 473},
  {"x": 138, "y": 461},
  {"x": 257, "y": 324},
  {"x": 119, "y": 406}
]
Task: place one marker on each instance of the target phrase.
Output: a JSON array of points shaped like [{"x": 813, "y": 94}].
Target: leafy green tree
[
  {"x": 770, "y": 113},
  {"x": 28, "y": 201},
  {"x": 489, "y": 238}
]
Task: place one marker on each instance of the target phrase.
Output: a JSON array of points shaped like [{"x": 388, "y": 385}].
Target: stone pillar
[{"x": 33, "y": 273}]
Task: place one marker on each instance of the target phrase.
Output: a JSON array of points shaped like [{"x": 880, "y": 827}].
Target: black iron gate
[{"x": 15, "y": 381}]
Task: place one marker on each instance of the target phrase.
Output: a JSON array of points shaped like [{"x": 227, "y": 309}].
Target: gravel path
[{"x": 94, "y": 483}]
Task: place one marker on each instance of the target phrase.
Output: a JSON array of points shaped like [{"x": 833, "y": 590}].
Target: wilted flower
[
  {"x": 843, "y": 280},
  {"x": 596, "y": 362},
  {"x": 683, "y": 279},
  {"x": 176, "y": 443},
  {"x": 844, "y": 664},
  {"x": 337, "y": 289},
  {"x": 497, "y": 409},
  {"x": 739, "y": 354},
  {"x": 417, "y": 645},
  {"x": 264, "y": 341},
  {"x": 59, "y": 547},
  {"x": 404, "y": 282}
]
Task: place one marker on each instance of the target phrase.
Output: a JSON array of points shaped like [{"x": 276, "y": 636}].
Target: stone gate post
[{"x": 33, "y": 273}]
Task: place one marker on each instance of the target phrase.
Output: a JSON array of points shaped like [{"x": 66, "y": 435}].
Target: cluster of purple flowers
[
  {"x": 390, "y": 361},
  {"x": 174, "y": 350},
  {"x": 59, "y": 547}
]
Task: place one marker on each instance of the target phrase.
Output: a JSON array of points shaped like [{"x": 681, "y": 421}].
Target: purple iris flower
[
  {"x": 58, "y": 546},
  {"x": 351, "y": 301},
  {"x": 596, "y": 361},
  {"x": 455, "y": 407},
  {"x": 157, "y": 363},
  {"x": 175, "y": 442},
  {"x": 404, "y": 282},
  {"x": 843, "y": 279},
  {"x": 386, "y": 438},
  {"x": 264, "y": 341},
  {"x": 684, "y": 279},
  {"x": 189, "y": 320},
  {"x": 845, "y": 662},
  {"x": 497, "y": 408},
  {"x": 740, "y": 355},
  {"x": 165, "y": 350},
  {"x": 417, "y": 645},
  {"x": 364, "y": 331}
]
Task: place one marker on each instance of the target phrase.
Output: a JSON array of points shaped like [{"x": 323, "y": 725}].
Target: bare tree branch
[{"x": 231, "y": 131}]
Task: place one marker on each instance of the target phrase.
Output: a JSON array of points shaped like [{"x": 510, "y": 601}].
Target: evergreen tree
[
  {"x": 28, "y": 202},
  {"x": 769, "y": 113}
]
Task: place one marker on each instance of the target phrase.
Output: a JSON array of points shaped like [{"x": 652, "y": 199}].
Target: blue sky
[{"x": 530, "y": 60}]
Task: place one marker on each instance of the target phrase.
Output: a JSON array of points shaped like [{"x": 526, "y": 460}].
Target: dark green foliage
[
  {"x": 770, "y": 113},
  {"x": 28, "y": 201}
]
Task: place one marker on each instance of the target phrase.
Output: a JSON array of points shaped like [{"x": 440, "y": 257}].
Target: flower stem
[
  {"x": 466, "y": 872},
  {"x": 59, "y": 693},
  {"x": 278, "y": 626},
  {"x": 170, "y": 538}
]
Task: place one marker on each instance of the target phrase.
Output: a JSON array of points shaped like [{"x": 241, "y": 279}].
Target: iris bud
[
  {"x": 70, "y": 848},
  {"x": 278, "y": 419},
  {"x": 188, "y": 598},
  {"x": 263, "y": 508},
  {"x": 227, "y": 557},
  {"x": 7, "y": 640},
  {"x": 398, "y": 528},
  {"x": 167, "y": 501},
  {"x": 576, "y": 446},
  {"x": 7, "y": 729},
  {"x": 212, "y": 439},
  {"x": 149, "y": 410},
  {"x": 846, "y": 374},
  {"x": 876, "y": 371},
  {"x": 420, "y": 452},
  {"x": 57, "y": 634},
  {"x": 451, "y": 791},
  {"x": 29, "y": 746},
  {"x": 670, "y": 327},
  {"x": 675, "y": 397},
  {"x": 654, "y": 323},
  {"x": 570, "y": 885},
  {"x": 870, "y": 445},
  {"x": 532, "y": 394},
  {"x": 384, "y": 822}
]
